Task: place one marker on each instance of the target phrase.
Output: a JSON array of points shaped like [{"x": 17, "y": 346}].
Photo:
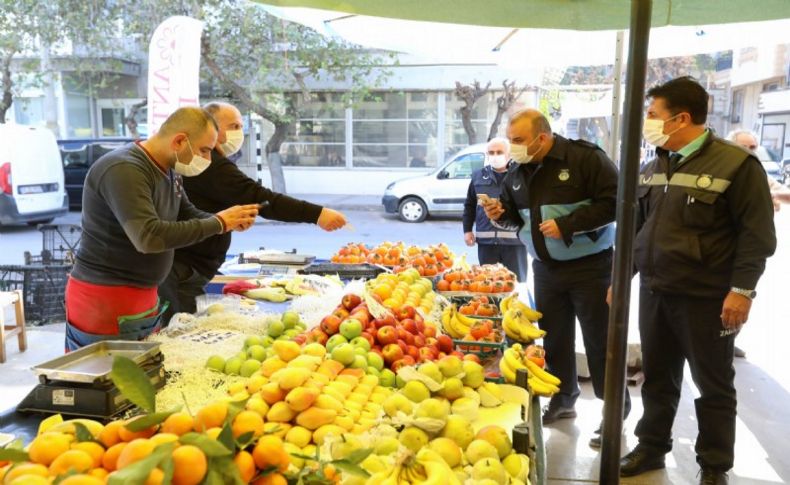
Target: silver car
[{"x": 442, "y": 191}]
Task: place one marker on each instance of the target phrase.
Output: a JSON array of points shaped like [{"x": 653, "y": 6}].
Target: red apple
[
  {"x": 409, "y": 339},
  {"x": 377, "y": 350},
  {"x": 404, "y": 312},
  {"x": 472, "y": 357},
  {"x": 362, "y": 316},
  {"x": 418, "y": 319},
  {"x": 341, "y": 313},
  {"x": 387, "y": 335},
  {"x": 369, "y": 337},
  {"x": 457, "y": 353},
  {"x": 385, "y": 321},
  {"x": 429, "y": 331},
  {"x": 409, "y": 325},
  {"x": 419, "y": 340},
  {"x": 317, "y": 335},
  {"x": 402, "y": 333},
  {"x": 420, "y": 326},
  {"x": 403, "y": 345},
  {"x": 430, "y": 340},
  {"x": 392, "y": 353},
  {"x": 330, "y": 324},
  {"x": 414, "y": 352},
  {"x": 398, "y": 364},
  {"x": 409, "y": 360},
  {"x": 426, "y": 353},
  {"x": 350, "y": 301},
  {"x": 445, "y": 343}
]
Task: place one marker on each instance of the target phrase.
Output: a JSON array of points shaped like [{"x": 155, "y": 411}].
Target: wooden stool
[{"x": 8, "y": 298}]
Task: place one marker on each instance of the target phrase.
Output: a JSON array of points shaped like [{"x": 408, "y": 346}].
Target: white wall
[{"x": 359, "y": 181}]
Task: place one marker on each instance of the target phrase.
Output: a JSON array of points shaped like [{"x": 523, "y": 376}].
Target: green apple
[
  {"x": 290, "y": 319},
  {"x": 344, "y": 353},
  {"x": 375, "y": 361},
  {"x": 334, "y": 341},
  {"x": 216, "y": 362},
  {"x": 252, "y": 340},
  {"x": 257, "y": 352},
  {"x": 249, "y": 367},
  {"x": 372, "y": 371},
  {"x": 276, "y": 328},
  {"x": 360, "y": 362},
  {"x": 233, "y": 366},
  {"x": 351, "y": 328},
  {"x": 361, "y": 342},
  {"x": 387, "y": 378}
]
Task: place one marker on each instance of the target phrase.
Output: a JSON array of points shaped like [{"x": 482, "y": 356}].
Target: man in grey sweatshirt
[{"x": 135, "y": 214}]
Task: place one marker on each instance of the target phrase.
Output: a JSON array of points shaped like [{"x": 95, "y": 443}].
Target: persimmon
[{"x": 443, "y": 285}]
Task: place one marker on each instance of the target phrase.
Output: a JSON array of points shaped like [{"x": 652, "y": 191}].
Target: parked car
[
  {"x": 442, "y": 191},
  {"x": 78, "y": 156},
  {"x": 771, "y": 166},
  {"x": 31, "y": 176}
]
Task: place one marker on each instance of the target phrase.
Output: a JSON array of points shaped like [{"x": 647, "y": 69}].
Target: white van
[
  {"x": 441, "y": 192},
  {"x": 31, "y": 176}
]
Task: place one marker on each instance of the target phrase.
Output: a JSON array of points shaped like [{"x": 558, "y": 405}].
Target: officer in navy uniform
[
  {"x": 561, "y": 198},
  {"x": 705, "y": 229},
  {"x": 494, "y": 245}
]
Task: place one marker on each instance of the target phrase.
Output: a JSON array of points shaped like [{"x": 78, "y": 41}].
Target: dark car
[{"x": 78, "y": 156}]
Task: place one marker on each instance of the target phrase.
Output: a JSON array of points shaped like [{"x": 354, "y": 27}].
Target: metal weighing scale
[
  {"x": 79, "y": 384},
  {"x": 277, "y": 264}
]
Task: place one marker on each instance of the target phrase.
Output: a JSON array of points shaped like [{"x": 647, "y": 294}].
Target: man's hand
[
  {"x": 239, "y": 217},
  {"x": 330, "y": 219},
  {"x": 735, "y": 311},
  {"x": 550, "y": 229},
  {"x": 469, "y": 238},
  {"x": 493, "y": 208}
]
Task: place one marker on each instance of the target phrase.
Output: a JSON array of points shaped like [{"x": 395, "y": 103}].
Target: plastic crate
[
  {"x": 60, "y": 242},
  {"x": 43, "y": 289}
]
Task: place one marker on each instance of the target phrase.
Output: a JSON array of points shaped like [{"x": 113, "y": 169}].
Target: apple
[
  {"x": 457, "y": 353},
  {"x": 344, "y": 353},
  {"x": 392, "y": 352},
  {"x": 369, "y": 337},
  {"x": 409, "y": 325},
  {"x": 341, "y": 313},
  {"x": 398, "y": 364},
  {"x": 430, "y": 340},
  {"x": 404, "y": 312},
  {"x": 427, "y": 354},
  {"x": 430, "y": 331},
  {"x": 445, "y": 343},
  {"x": 387, "y": 378},
  {"x": 414, "y": 353},
  {"x": 409, "y": 339},
  {"x": 419, "y": 320},
  {"x": 375, "y": 360},
  {"x": 419, "y": 340},
  {"x": 387, "y": 320},
  {"x": 351, "y": 328},
  {"x": 317, "y": 335},
  {"x": 330, "y": 324},
  {"x": 403, "y": 345},
  {"x": 334, "y": 341},
  {"x": 472, "y": 358},
  {"x": 350, "y": 301},
  {"x": 360, "y": 362},
  {"x": 409, "y": 360},
  {"x": 387, "y": 335},
  {"x": 361, "y": 342}
]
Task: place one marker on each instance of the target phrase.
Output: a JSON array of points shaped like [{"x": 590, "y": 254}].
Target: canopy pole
[
  {"x": 617, "y": 103},
  {"x": 616, "y": 348}
]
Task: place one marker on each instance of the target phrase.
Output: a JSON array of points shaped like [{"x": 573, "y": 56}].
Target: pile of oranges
[
  {"x": 488, "y": 278},
  {"x": 429, "y": 261},
  {"x": 351, "y": 253}
]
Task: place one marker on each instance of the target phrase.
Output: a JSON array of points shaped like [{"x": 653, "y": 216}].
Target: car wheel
[{"x": 412, "y": 209}]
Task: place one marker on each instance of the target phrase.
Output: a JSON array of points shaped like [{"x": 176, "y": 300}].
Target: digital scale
[
  {"x": 275, "y": 263},
  {"x": 79, "y": 384}
]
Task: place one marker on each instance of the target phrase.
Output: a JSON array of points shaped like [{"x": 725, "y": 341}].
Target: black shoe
[
  {"x": 553, "y": 413},
  {"x": 738, "y": 352},
  {"x": 640, "y": 461},
  {"x": 711, "y": 476}
]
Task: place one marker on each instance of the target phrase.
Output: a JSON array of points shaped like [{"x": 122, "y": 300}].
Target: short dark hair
[
  {"x": 683, "y": 94},
  {"x": 192, "y": 120}
]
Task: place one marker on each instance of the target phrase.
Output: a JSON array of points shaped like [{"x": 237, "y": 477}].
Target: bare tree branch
[
  {"x": 503, "y": 104},
  {"x": 130, "y": 120},
  {"x": 470, "y": 94}
]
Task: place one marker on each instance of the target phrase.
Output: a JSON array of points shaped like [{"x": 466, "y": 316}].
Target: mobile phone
[{"x": 263, "y": 205}]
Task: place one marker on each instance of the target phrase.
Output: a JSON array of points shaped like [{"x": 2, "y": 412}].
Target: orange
[
  {"x": 156, "y": 477},
  {"x": 109, "y": 435},
  {"x": 213, "y": 432},
  {"x": 271, "y": 479},
  {"x": 48, "y": 446},
  {"x": 95, "y": 450},
  {"x": 178, "y": 424},
  {"x": 110, "y": 459},
  {"x": 269, "y": 452},
  {"x": 246, "y": 422},
  {"x": 82, "y": 480},
  {"x": 77, "y": 460},
  {"x": 189, "y": 465},
  {"x": 99, "y": 473},
  {"x": 246, "y": 465},
  {"x": 126, "y": 435},
  {"x": 136, "y": 450},
  {"x": 25, "y": 469},
  {"x": 211, "y": 416},
  {"x": 162, "y": 438}
]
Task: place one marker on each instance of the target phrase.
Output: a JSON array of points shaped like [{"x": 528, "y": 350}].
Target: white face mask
[
  {"x": 653, "y": 131},
  {"x": 520, "y": 153},
  {"x": 195, "y": 167},
  {"x": 497, "y": 162},
  {"x": 233, "y": 142}
]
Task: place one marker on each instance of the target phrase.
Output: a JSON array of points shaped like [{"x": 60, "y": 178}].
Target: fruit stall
[{"x": 425, "y": 370}]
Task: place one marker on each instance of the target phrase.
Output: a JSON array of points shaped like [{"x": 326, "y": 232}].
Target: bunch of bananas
[
  {"x": 518, "y": 320},
  {"x": 427, "y": 468},
  {"x": 455, "y": 324},
  {"x": 541, "y": 382}
]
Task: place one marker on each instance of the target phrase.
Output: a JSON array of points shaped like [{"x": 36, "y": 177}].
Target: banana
[
  {"x": 276, "y": 295},
  {"x": 531, "y": 314},
  {"x": 542, "y": 388},
  {"x": 459, "y": 327},
  {"x": 519, "y": 328},
  {"x": 507, "y": 372},
  {"x": 504, "y": 304},
  {"x": 512, "y": 357},
  {"x": 541, "y": 374},
  {"x": 465, "y": 320},
  {"x": 437, "y": 472}
]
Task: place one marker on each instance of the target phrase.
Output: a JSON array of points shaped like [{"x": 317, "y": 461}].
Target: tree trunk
[
  {"x": 131, "y": 123},
  {"x": 50, "y": 101},
  {"x": 503, "y": 104},
  {"x": 8, "y": 98},
  {"x": 274, "y": 158},
  {"x": 466, "y": 119},
  {"x": 469, "y": 94}
]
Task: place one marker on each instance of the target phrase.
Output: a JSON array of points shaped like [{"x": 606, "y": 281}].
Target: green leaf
[
  {"x": 348, "y": 467},
  {"x": 228, "y": 470},
  {"x": 245, "y": 439},
  {"x": 226, "y": 437},
  {"x": 209, "y": 446},
  {"x": 13, "y": 455},
  {"x": 167, "y": 465},
  {"x": 234, "y": 408},
  {"x": 145, "y": 422},
  {"x": 358, "y": 456},
  {"x": 17, "y": 444},
  {"x": 81, "y": 432},
  {"x": 138, "y": 471},
  {"x": 214, "y": 477},
  {"x": 133, "y": 383}
]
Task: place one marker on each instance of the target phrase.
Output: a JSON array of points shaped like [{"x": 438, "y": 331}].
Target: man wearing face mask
[
  {"x": 705, "y": 229},
  {"x": 220, "y": 185},
  {"x": 561, "y": 198},
  {"x": 134, "y": 214},
  {"x": 494, "y": 245}
]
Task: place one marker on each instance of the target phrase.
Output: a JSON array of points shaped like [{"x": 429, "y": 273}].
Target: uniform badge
[
  {"x": 646, "y": 179},
  {"x": 704, "y": 181},
  {"x": 517, "y": 187},
  {"x": 564, "y": 175}
]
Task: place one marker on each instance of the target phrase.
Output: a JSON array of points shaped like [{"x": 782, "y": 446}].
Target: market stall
[{"x": 401, "y": 376}]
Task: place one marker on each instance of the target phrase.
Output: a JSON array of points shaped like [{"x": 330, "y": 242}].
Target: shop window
[
  {"x": 313, "y": 154},
  {"x": 29, "y": 111}
]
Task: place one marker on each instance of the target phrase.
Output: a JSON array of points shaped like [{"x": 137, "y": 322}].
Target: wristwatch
[{"x": 750, "y": 294}]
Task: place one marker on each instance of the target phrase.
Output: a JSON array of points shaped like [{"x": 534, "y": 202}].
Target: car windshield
[{"x": 463, "y": 166}]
